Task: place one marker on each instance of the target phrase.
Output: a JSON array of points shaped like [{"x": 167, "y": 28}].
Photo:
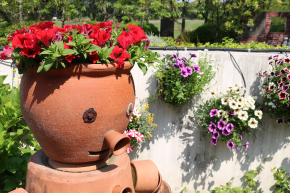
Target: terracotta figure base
[{"x": 41, "y": 178}]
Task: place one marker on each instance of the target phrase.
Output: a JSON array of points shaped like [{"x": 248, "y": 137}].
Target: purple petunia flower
[
  {"x": 196, "y": 68},
  {"x": 241, "y": 137},
  {"x": 284, "y": 88},
  {"x": 184, "y": 72},
  {"x": 175, "y": 56},
  {"x": 271, "y": 62},
  {"x": 230, "y": 145},
  {"x": 276, "y": 56},
  {"x": 238, "y": 148},
  {"x": 272, "y": 73},
  {"x": 279, "y": 121},
  {"x": 246, "y": 146},
  {"x": 221, "y": 125},
  {"x": 278, "y": 73},
  {"x": 287, "y": 60},
  {"x": 270, "y": 58},
  {"x": 269, "y": 79},
  {"x": 213, "y": 141},
  {"x": 215, "y": 134},
  {"x": 271, "y": 87},
  {"x": 213, "y": 112},
  {"x": 192, "y": 55},
  {"x": 283, "y": 71},
  {"x": 166, "y": 68},
  {"x": 231, "y": 112},
  {"x": 212, "y": 127},
  {"x": 225, "y": 132},
  {"x": 283, "y": 79},
  {"x": 230, "y": 127},
  {"x": 180, "y": 64},
  {"x": 175, "y": 65},
  {"x": 264, "y": 73},
  {"x": 189, "y": 70},
  {"x": 183, "y": 59}
]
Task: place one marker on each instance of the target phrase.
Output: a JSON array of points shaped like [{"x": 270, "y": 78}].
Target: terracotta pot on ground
[
  {"x": 70, "y": 110},
  {"x": 19, "y": 190},
  {"x": 146, "y": 176}
]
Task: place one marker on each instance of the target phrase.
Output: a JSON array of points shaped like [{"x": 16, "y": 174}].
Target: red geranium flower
[
  {"x": 11, "y": 36},
  {"x": 93, "y": 56},
  {"x": 119, "y": 55},
  {"x": 139, "y": 34},
  {"x": 100, "y": 37},
  {"x": 125, "y": 39},
  {"x": 42, "y": 26},
  {"x": 104, "y": 24},
  {"x": 46, "y": 36},
  {"x": 29, "y": 45}
]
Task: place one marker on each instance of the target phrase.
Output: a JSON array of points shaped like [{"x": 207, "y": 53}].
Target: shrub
[
  {"x": 3, "y": 42},
  {"x": 15, "y": 139},
  {"x": 203, "y": 34}
]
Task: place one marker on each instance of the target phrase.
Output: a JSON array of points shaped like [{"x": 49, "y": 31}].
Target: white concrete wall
[
  {"x": 186, "y": 160},
  {"x": 13, "y": 78}
]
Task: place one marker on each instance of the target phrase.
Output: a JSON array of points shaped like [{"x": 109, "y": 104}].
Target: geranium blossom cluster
[
  {"x": 228, "y": 117},
  {"x": 140, "y": 126},
  {"x": 45, "y": 45},
  {"x": 274, "y": 87},
  {"x": 181, "y": 78}
]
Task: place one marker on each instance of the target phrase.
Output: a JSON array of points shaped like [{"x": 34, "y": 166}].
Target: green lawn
[{"x": 189, "y": 25}]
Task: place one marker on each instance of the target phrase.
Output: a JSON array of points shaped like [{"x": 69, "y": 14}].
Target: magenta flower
[
  {"x": 184, "y": 72},
  {"x": 213, "y": 112},
  {"x": 282, "y": 95},
  {"x": 211, "y": 127},
  {"x": 175, "y": 56},
  {"x": 230, "y": 145},
  {"x": 175, "y": 65},
  {"x": 213, "y": 141},
  {"x": 183, "y": 59},
  {"x": 280, "y": 85},
  {"x": 277, "y": 73},
  {"x": 283, "y": 71},
  {"x": 271, "y": 87},
  {"x": 225, "y": 132},
  {"x": 180, "y": 64},
  {"x": 288, "y": 76},
  {"x": 271, "y": 62},
  {"x": 284, "y": 88},
  {"x": 265, "y": 73},
  {"x": 238, "y": 148},
  {"x": 283, "y": 79},
  {"x": 130, "y": 148},
  {"x": 196, "y": 68},
  {"x": 231, "y": 112},
  {"x": 286, "y": 70},
  {"x": 192, "y": 55},
  {"x": 287, "y": 60},
  {"x": 246, "y": 146},
  {"x": 266, "y": 89},
  {"x": 215, "y": 134},
  {"x": 229, "y": 127},
  {"x": 189, "y": 70},
  {"x": 270, "y": 58},
  {"x": 139, "y": 137},
  {"x": 221, "y": 125},
  {"x": 241, "y": 137}
]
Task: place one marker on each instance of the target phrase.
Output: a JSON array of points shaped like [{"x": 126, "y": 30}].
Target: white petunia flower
[
  {"x": 253, "y": 123},
  {"x": 220, "y": 113},
  {"x": 225, "y": 100},
  {"x": 233, "y": 104},
  {"x": 243, "y": 115},
  {"x": 259, "y": 114},
  {"x": 241, "y": 100}
]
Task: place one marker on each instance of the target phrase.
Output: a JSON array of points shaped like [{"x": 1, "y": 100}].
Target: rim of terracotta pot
[{"x": 85, "y": 69}]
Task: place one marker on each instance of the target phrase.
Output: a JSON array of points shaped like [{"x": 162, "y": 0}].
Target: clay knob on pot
[
  {"x": 119, "y": 189},
  {"x": 117, "y": 142},
  {"x": 146, "y": 174}
]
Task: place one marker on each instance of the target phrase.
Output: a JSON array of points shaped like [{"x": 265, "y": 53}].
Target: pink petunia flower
[
  {"x": 130, "y": 148},
  {"x": 127, "y": 133},
  {"x": 131, "y": 119},
  {"x": 139, "y": 137},
  {"x": 133, "y": 133}
]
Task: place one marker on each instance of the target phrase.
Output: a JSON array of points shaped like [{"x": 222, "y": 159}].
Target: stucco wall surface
[{"x": 186, "y": 160}]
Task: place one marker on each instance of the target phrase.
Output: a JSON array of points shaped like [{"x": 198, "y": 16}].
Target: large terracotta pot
[{"x": 70, "y": 110}]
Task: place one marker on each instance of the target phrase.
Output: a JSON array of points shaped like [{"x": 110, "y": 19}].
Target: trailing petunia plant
[
  {"x": 179, "y": 79},
  {"x": 45, "y": 46},
  {"x": 229, "y": 117},
  {"x": 140, "y": 127},
  {"x": 274, "y": 87}
]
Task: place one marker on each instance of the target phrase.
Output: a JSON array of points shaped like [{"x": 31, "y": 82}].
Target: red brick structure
[{"x": 261, "y": 31}]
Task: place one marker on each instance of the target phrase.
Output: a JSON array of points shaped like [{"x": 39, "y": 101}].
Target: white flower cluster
[{"x": 240, "y": 106}]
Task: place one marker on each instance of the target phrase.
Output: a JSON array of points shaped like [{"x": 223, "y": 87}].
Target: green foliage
[
  {"x": 278, "y": 24},
  {"x": 176, "y": 89},
  {"x": 204, "y": 34},
  {"x": 275, "y": 83},
  {"x": 15, "y": 137},
  {"x": 283, "y": 180},
  {"x": 142, "y": 122},
  {"x": 228, "y": 117},
  {"x": 3, "y": 42}
]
